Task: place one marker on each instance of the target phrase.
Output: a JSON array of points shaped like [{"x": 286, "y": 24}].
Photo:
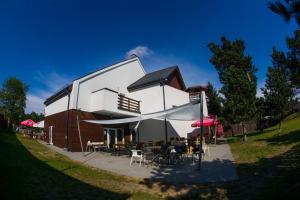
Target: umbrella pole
[
  {"x": 201, "y": 131},
  {"x": 209, "y": 135},
  {"x": 215, "y": 134}
]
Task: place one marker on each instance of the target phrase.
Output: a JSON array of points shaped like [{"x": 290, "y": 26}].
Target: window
[{"x": 119, "y": 135}]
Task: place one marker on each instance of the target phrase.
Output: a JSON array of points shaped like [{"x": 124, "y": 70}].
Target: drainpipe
[
  {"x": 68, "y": 108},
  {"x": 78, "y": 126},
  {"x": 162, "y": 83}
]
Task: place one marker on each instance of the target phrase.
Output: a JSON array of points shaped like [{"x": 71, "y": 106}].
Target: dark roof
[
  {"x": 154, "y": 78},
  {"x": 61, "y": 93},
  {"x": 196, "y": 88}
]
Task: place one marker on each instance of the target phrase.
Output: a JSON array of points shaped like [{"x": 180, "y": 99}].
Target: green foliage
[
  {"x": 214, "y": 100},
  {"x": 34, "y": 116},
  {"x": 278, "y": 92},
  {"x": 287, "y": 9},
  {"x": 13, "y": 99},
  {"x": 293, "y": 58},
  {"x": 237, "y": 74},
  {"x": 262, "y": 113},
  {"x": 290, "y": 9}
]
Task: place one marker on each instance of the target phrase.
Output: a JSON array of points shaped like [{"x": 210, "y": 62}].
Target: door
[
  {"x": 113, "y": 136},
  {"x": 50, "y": 134},
  {"x": 109, "y": 136},
  {"x": 120, "y": 136}
]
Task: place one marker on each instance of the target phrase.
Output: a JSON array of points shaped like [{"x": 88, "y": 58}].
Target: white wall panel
[
  {"x": 57, "y": 106},
  {"x": 117, "y": 79}
]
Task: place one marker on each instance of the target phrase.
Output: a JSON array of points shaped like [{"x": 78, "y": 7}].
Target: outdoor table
[
  {"x": 155, "y": 149},
  {"x": 100, "y": 147},
  {"x": 118, "y": 147},
  {"x": 95, "y": 145}
]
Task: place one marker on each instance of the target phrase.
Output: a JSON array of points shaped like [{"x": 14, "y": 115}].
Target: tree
[
  {"x": 214, "y": 100},
  {"x": 237, "y": 74},
  {"x": 34, "y": 116},
  {"x": 278, "y": 92},
  {"x": 262, "y": 114},
  {"x": 293, "y": 59},
  {"x": 13, "y": 100},
  {"x": 287, "y": 9}
]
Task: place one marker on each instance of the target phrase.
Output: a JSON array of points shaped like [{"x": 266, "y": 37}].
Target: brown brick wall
[{"x": 89, "y": 132}]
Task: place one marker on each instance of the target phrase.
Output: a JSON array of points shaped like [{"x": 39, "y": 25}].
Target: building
[{"x": 121, "y": 90}]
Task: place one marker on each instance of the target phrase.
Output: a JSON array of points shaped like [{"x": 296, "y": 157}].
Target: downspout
[
  {"x": 78, "y": 124},
  {"x": 68, "y": 116},
  {"x": 163, "y": 82}
]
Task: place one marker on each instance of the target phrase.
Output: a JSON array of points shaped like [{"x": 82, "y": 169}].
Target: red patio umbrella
[
  {"x": 28, "y": 122},
  {"x": 207, "y": 121}
]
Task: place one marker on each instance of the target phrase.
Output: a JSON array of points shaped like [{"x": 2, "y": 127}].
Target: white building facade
[{"x": 121, "y": 90}]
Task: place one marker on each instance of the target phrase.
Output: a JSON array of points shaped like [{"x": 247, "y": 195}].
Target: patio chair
[
  {"x": 164, "y": 156},
  {"x": 148, "y": 155},
  {"x": 128, "y": 148},
  {"x": 205, "y": 148},
  {"x": 136, "y": 155},
  {"x": 88, "y": 146},
  {"x": 181, "y": 152}
]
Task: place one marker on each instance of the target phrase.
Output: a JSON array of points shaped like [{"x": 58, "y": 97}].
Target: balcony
[
  {"x": 128, "y": 104},
  {"x": 107, "y": 101}
]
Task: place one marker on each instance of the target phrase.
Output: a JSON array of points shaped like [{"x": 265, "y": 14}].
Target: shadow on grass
[
  {"x": 254, "y": 133},
  {"x": 23, "y": 176},
  {"x": 269, "y": 178},
  {"x": 281, "y": 139}
]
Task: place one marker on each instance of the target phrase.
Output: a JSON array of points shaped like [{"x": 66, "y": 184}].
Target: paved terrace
[{"x": 219, "y": 167}]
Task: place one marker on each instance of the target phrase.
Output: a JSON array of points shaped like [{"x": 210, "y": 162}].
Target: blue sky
[{"x": 47, "y": 44}]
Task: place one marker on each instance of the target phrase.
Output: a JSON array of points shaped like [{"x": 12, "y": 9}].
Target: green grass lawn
[
  {"x": 269, "y": 143},
  {"x": 268, "y": 163},
  {"x": 268, "y": 166},
  {"x": 31, "y": 171}
]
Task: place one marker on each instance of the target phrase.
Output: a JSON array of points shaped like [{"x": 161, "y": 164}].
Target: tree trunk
[
  {"x": 280, "y": 124},
  {"x": 8, "y": 123},
  {"x": 244, "y": 132}
]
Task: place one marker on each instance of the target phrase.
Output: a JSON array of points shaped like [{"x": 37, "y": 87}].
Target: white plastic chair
[
  {"x": 205, "y": 148},
  {"x": 88, "y": 146},
  {"x": 136, "y": 154}
]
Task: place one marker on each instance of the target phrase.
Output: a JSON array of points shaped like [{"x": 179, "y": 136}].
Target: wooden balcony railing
[{"x": 128, "y": 104}]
